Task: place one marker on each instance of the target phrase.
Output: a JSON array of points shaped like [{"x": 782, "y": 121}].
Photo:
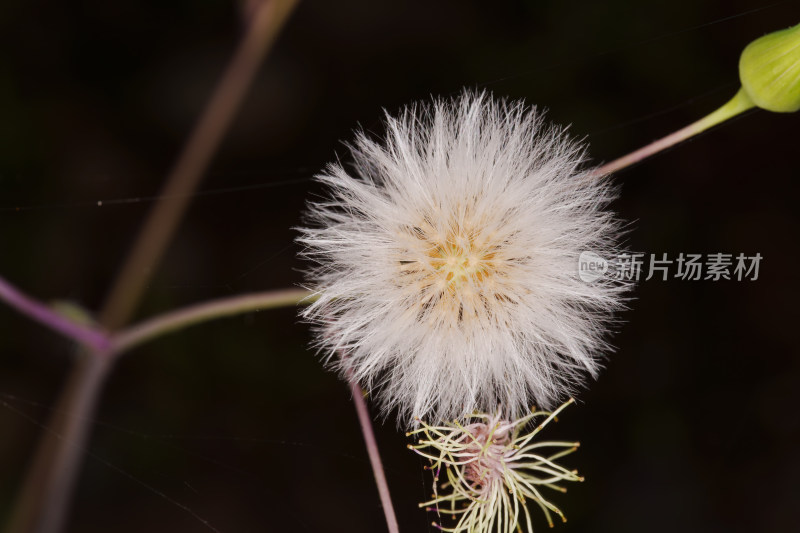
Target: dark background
[{"x": 694, "y": 423}]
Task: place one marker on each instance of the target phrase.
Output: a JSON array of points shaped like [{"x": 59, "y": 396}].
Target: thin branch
[
  {"x": 99, "y": 342},
  {"x": 267, "y": 20},
  {"x": 738, "y": 104},
  {"x": 374, "y": 455},
  {"x": 175, "y": 320},
  {"x": 47, "y": 316}
]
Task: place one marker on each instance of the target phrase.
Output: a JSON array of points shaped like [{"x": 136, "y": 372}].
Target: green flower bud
[{"x": 770, "y": 70}]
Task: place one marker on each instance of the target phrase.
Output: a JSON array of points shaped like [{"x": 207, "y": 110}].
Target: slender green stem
[
  {"x": 736, "y": 105},
  {"x": 189, "y": 316}
]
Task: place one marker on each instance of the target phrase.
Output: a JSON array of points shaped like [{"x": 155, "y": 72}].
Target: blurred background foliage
[{"x": 693, "y": 425}]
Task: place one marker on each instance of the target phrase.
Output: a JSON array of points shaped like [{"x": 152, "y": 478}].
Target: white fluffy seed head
[{"x": 446, "y": 263}]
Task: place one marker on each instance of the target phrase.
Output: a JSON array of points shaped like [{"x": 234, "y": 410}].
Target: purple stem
[
  {"x": 92, "y": 338},
  {"x": 374, "y": 455}
]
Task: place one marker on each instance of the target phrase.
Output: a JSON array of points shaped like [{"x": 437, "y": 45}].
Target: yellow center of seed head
[
  {"x": 460, "y": 262},
  {"x": 453, "y": 272}
]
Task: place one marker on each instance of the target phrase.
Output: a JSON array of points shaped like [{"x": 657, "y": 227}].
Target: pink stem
[
  {"x": 374, "y": 456},
  {"x": 739, "y": 103},
  {"x": 88, "y": 336},
  {"x": 646, "y": 151}
]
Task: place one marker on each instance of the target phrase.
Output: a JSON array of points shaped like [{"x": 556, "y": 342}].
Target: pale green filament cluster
[{"x": 493, "y": 468}]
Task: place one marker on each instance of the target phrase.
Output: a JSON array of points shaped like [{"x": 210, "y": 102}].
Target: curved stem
[
  {"x": 738, "y": 104},
  {"x": 189, "y": 316}
]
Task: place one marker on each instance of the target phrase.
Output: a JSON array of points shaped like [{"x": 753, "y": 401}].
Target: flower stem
[
  {"x": 175, "y": 320},
  {"x": 267, "y": 20},
  {"x": 374, "y": 455},
  {"x": 44, "y": 314},
  {"x": 45, "y": 494},
  {"x": 736, "y": 105},
  {"x": 112, "y": 345}
]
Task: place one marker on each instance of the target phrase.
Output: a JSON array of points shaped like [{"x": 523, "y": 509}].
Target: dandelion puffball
[{"x": 446, "y": 261}]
